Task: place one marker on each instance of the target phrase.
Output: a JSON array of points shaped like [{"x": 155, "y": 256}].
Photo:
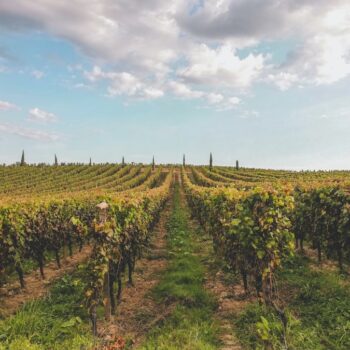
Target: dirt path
[
  {"x": 137, "y": 312},
  {"x": 12, "y": 296},
  {"x": 232, "y": 300},
  {"x": 230, "y": 296},
  {"x": 327, "y": 264}
]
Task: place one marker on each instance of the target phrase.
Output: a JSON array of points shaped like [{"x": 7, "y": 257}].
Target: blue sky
[{"x": 265, "y": 82}]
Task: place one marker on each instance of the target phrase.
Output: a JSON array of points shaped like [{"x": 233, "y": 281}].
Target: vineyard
[{"x": 119, "y": 256}]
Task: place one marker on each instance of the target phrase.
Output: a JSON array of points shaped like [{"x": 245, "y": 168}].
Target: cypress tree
[
  {"x": 211, "y": 161},
  {"x": 23, "y": 159},
  {"x": 237, "y": 165},
  {"x": 123, "y": 162},
  {"x": 56, "y": 162},
  {"x": 90, "y": 163},
  {"x": 153, "y": 164},
  {"x": 183, "y": 161}
]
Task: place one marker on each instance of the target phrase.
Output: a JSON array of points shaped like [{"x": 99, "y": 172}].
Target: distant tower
[
  {"x": 23, "y": 162},
  {"x": 90, "y": 163},
  {"x": 153, "y": 164},
  {"x": 56, "y": 162},
  {"x": 183, "y": 161},
  {"x": 237, "y": 164},
  {"x": 211, "y": 161},
  {"x": 123, "y": 162}
]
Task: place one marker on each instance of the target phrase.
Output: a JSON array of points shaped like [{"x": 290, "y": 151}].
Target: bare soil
[
  {"x": 232, "y": 300},
  {"x": 329, "y": 265},
  {"x": 12, "y": 296}
]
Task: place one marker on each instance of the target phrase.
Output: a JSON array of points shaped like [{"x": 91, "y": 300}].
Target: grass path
[
  {"x": 191, "y": 324},
  {"x": 55, "y": 322}
]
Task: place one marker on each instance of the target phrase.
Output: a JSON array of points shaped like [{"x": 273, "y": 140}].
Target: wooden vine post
[{"x": 103, "y": 214}]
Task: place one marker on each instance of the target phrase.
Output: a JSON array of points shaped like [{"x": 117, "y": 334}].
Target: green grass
[
  {"x": 55, "y": 322},
  {"x": 318, "y": 308},
  {"x": 190, "y": 326}
]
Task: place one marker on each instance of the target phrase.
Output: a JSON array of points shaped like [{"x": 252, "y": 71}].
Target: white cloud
[
  {"x": 147, "y": 45},
  {"x": 36, "y": 114},
  {"x": 142, "y": 43},
  {"x": 32, "y": 134},
  {"x": 217, "y": 100},
  {"x": 283, "y": 80},
  {"x": 234, "y": 101},
  {"x": 153, "y": 93},
  {"x": 221, "y": 67},
  {"x": 183, "y": 91},
  {"x": 323, "y": 58},
  {"x": 228, "y": 104},
  {"x": 37, "y": 74},
  {"x": 6, "y": 106},
  {"x": 123, "y": 83},
  {"x": 143, "y": 35},
  {"x": 214, "y": 98},
  {"x": 320, "y": 30}
]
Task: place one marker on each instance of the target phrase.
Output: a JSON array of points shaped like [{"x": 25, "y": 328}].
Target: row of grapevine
[
  {"x": 32, "y": 227},
  {"x": 100, "y": 181},
  {"x": 29, "y": 229},
  {"x": 322, "y": 217},
  {"x": 32, "y": 179},
  {"x": 251, "y": 229},
  {"x": 318, "y": 212},
  {"x": 47, "y": 181},
  {"x": 119, "y": 234}
]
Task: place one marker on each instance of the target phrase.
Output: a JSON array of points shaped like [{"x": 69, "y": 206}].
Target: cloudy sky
[{"x": 263, "y": 81}]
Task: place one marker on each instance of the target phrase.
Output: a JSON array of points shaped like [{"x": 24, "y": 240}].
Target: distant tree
[
  {"x": 90, "y": 163},
  {"x": 183, "y": 160},
  {"x": 153, "y": 164},
  {"x": 23, "y": 162},
  {"x": 211, "y": 161},
  {"x": 123, "y": 161},
  {"x": 237, "y": 165},
  {"x": 56, "y": 162}
]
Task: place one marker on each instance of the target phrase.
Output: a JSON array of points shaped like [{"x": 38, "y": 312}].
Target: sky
[{"x": 262, "y": 81}]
